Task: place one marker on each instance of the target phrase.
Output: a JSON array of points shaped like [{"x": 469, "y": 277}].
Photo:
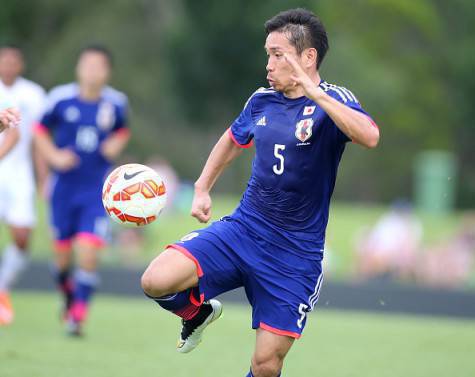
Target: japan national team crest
[
  {"x": 308, "y": 110},
  {"x": 303, "y": 129}
]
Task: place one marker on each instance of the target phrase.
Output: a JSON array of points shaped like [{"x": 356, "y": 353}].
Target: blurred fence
[{"x": 370, "y": 296}]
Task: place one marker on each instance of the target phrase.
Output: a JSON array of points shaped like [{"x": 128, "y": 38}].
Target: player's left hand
[
  {"x": 201, "y": 206},
  {"x": 300, "y": 78}
]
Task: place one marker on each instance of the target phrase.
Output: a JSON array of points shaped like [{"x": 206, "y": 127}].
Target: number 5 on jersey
[{"x": 279, "y": 167}]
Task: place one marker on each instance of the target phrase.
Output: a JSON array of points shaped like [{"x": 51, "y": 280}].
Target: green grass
[
  {"x": 346, "y": 221},
  {"x": 132, "y": 337}
]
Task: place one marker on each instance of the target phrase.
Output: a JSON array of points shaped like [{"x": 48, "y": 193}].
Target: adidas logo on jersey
[{"x": 262, "y": 121}]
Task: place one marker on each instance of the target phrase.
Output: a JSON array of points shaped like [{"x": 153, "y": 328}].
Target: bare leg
[{"x": 269, "y": 353}]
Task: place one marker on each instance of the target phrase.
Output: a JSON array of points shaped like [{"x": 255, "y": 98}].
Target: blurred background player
[
  {"x": 17, "y": 184},
  {"x": 83, "y": 130}
]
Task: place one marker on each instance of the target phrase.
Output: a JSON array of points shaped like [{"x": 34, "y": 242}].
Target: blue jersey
[
  {"x": 297, "y": 152},
  {"x": 82, "y": 126}
]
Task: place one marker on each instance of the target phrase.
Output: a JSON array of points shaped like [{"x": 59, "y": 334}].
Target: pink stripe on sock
[
  {"x": 78, "y": 311},
  {"x": 188, "y": 312}
]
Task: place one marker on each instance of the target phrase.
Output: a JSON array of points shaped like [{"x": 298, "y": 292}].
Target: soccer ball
[{"x": 134, "y": 195}]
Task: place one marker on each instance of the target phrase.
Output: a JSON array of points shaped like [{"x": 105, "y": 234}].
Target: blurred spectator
[
  {"x": 451, "y": 263},
  {"x": 390, "y": 248},
  {"x": 169, "y": 177}
]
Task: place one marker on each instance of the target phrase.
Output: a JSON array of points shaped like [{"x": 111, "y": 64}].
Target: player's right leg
[
  {"x": 168, "y": 273},
  {"x": 62, "y": 272},
  {"x": 62, "y": 222},
  {"x": 171, "y": 280},
  {"x": 188, "y": 274}
]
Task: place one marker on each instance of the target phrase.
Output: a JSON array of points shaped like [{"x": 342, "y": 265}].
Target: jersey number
[
  {"x": 279, "y": 167},
  {"x": 303, "y": 309},
  {"x": 87, "y": 139}
]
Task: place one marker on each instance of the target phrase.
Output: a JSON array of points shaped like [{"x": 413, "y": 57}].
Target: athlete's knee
[
  {"x": 88, "y": 259},
  {"x": 269, "y": 366},
  {"x": 22, "y": 244},
  {"x": 154, "y": 283},
  {"x": 170, "y": 272},
  {"x": 21, "y": 238}
]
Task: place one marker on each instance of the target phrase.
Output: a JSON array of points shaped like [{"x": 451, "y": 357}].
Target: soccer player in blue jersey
[
  {"x": 272, "y": 245},
  {"x": 82, "y": 131}
]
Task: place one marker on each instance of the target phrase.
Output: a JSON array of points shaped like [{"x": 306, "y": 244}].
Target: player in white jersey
[{"x": 17, "y": 184}]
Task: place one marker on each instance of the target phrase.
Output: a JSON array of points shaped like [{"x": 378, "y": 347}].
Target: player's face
[
  {"x": 93, "y": 69},
  {"x": 278, "y": 70},
  {"x": 11, "y": 64}
]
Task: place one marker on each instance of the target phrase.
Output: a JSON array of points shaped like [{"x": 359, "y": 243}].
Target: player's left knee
[
  {"x": 21, "y": 240},
  {"x": 88, "y": 259},
  {"x": 22, "y": 244},
  {"x": 267, "y": 367}
]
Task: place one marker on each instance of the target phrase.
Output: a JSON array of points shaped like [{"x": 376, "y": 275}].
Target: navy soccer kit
[
  {"x": 80, "y": 125},
  {"x": 273, "y": 243}
]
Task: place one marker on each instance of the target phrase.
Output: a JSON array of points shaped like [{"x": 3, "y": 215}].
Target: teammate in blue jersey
[
  {"x": 82, "y": 131},
  {"x": 272, "y": 245}
]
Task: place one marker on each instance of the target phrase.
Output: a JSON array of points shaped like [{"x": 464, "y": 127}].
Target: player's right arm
[
  {"x": 223, "y": 153},
  {"x": 59, "y": 159}
]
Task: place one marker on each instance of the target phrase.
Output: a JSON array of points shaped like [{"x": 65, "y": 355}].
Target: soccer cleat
[
  {"x": 192, "y": 330},
  {"x": 6, "y": 309},
  {"x": 74, "y": 328}
]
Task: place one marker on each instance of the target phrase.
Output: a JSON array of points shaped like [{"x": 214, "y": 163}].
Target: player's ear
[{"x": 311, "y": 57}]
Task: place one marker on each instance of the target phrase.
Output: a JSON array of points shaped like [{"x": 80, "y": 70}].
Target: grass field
[
  {"x": 131, "y": 337},
  {"x": 346, "y": 221}
]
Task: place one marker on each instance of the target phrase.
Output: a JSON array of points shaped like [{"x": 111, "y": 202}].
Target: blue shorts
[
  {"x": 281, "y": 287},
  {"x": 78, "y": 214}
]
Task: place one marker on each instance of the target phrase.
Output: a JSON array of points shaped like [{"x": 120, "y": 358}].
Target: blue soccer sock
[
  {"x": 85, "y": 283},
  {"x": 185, "y": 304}
]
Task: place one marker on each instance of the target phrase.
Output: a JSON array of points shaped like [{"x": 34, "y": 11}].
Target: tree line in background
[{"x": 188, "y": 67}]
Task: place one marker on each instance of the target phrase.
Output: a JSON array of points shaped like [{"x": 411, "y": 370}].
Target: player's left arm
[
  {"x": 11, "y": 137},
  {"x": 114, "y": 144},
  {"x": 357, "y": 126}
]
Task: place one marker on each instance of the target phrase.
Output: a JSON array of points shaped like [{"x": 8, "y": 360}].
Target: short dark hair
[
  {"x": 303, "y": 29},
  {"x": 101, "y": 49},
  {"x": 11, "y": 46}
]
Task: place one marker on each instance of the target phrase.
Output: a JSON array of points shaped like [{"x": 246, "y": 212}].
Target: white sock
[{"x": 13, "y": 263}]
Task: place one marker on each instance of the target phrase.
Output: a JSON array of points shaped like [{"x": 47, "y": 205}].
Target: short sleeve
[
  {"x": 346, "y": 97},
  {"x": 241, "y": 130},
  {"x": 122, "y": 118},
  {"x": 38, "y": 104},
  {"x": 48, "y": 117}
]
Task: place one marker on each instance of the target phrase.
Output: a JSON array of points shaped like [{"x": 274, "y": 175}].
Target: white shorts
[{"x": 17, "y": 202}]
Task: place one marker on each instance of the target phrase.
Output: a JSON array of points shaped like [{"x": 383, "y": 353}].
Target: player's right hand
[
  {"x": 201, "y": 206},
  {"x": 9, "y": 118},
  {"x": 64, "y": 160}
]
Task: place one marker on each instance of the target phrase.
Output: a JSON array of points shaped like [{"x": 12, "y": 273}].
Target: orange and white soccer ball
[{"x": 134, "y": 195}]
